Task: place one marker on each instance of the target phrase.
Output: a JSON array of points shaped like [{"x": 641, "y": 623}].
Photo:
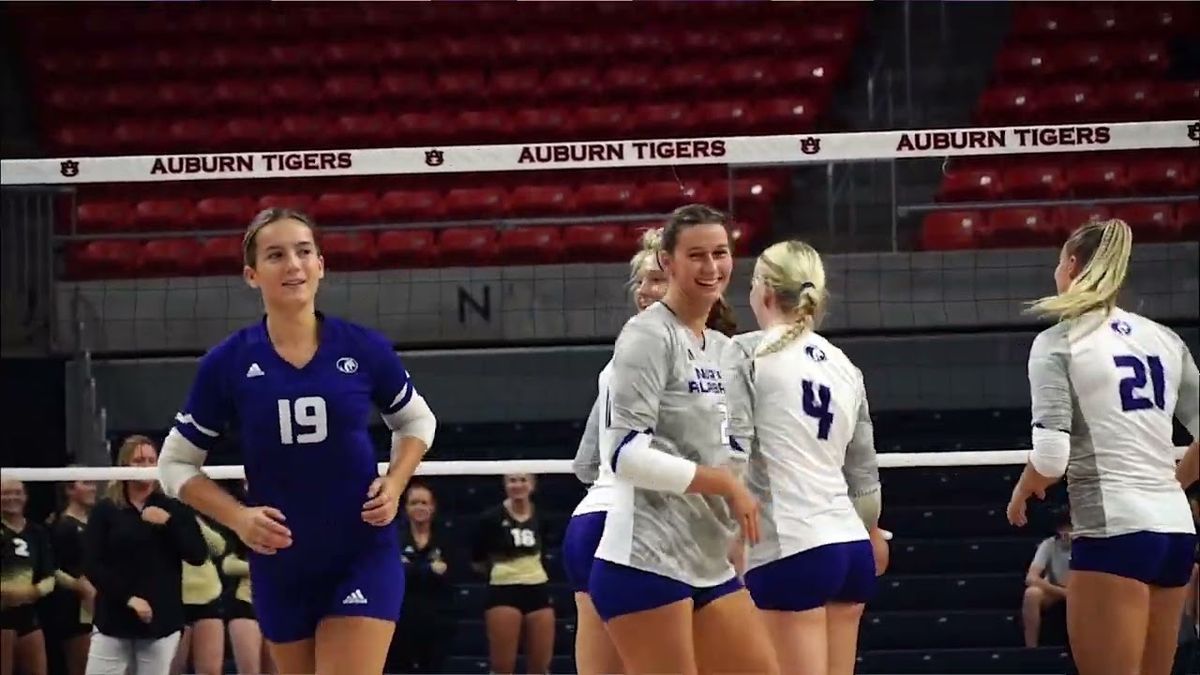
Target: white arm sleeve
[
  {"x": 635, "y": 462},
  {"x": 1051, "y": 452},
  {"x": 179, "y": 462},
  {"x": 415, "y": 420}
]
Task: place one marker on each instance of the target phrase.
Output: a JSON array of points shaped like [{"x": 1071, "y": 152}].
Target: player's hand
[
  {"x": 879, "y": 548},
  {"x": 438, "y": 567},
  {"x": 141, "y": 608},
  {"x": 155, "y": 515},
  {"x": 383, "y": 501},
  {"x": 1016, "y": 505},
  {"x": 87, "y": 591},
  {"x": 744, "y": 507},
  {"x": 262, "y": 529}
]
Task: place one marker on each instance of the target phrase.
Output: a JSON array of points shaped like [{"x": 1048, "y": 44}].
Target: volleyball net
[{"x": 933, "y": 241}]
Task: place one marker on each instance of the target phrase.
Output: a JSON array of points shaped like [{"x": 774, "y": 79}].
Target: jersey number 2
[
  {"x": 302, "y": 420},
  {"x": 816, "y": 399},
  {"x": 1131, "y": 399}
]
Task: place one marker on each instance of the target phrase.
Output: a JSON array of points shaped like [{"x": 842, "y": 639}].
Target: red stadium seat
[
  {"x": 1143, "y": 59},
  {"x": 238, "y": 94},
  {"x": 407, "y": 248},
  {"x": 483, "y": 126},
  {"x": 293, "y": 91},
  {"x": 1187, "y": 216},
  {"x": 1041, "y": 181},
  {"x": 1069, "y": 218},
  {"x": 348, "y": 250},
  {"x": 1181, "y": 98},
  {"x": 1002, "y": 105},
  {"x": 353, "y": 54},
  {"x": 466, "y": 51},
  {"x": 605, "y": 197},
  {"x": 665, "y": 195},
  {"x": 355, "y": 89},
  {"x": 251, "y": 133},
  {"x": 104, "y": 216},
  {"x": 1084, "y": 60},
  {"x": 291, "y": 55},
  {"x": 784, "y": 115},
  {"x": 1027, "y": 63},
  {"x": 457, "y": 85},
  {"x": 749, "y": 191},
  {"x": 538, "y": 200},
  {"x": 286, "y": 201},
  {"x": 970, "y": 185},
  {"x": 631, "y": 80},
  {"x": 514, "y": 83},
  {"x": 1044, "y": 21},
  {"x": 530, "y": 245},
  {"x": 410, "y": 205},
  {"x": 641, "y": 43},
  {"x": 1130, "y": 101},
  {"x": 1097, "y": 178},
  {"x": 199, "y": 135},
  {"x": 468, "y": 245},
  {"x": 365, "y": 130},
  {"x": 660, "y": 119},
  {"x": 538, "y": 124},
  {"x": 834, "y": 34},
  {"x": 764, "y": 38},
  {"x": 747, "y": 74},
  {"x": 423, "y": 128},
  {"x": 1150, "y": 222},
  {"x": 189, "y": 96},
  {"x": 476, "y": 202},
  {"x": 595, "y": 243},
  {"x": 141, "y": 136},
  {"x": 224, "y": 212},
  {"x": 106, "y": 259},
  {"x": 336, "y": 208},
  {"x": 74, "y": 99},
  {"x": 405, "y": 86},
  {"x": 567, "y": 83},
  {"x": 1014, "y": 228},
  {"x": 609, "y": 121},
  {"x": 137, "y": 97},
  {"x": 1162, "y": 177},
  {"x": 814, "y": 73},
  {"x": 583, "y": 47},
  {"x": 154, "y": 215},
  {"x": 1067, "y": 103},
  {"x": 170, "y": 257},
  {"x": 685, "y": 77},
  {"x": 720, "y": 117},
  {"x": 83, "y": 139},
  {"x": 950, "y": 230},
  {"x": 221, "y": 255},
  {"x": 236, "y": 57},
  {"x": 306, "y": 131}
]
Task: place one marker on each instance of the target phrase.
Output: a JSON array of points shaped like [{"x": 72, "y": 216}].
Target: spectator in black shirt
[
  {"x": 421, "y": 638},
  {"x": 134, "y": 548},
  {"x": 72, "y": 603},
  {"x": 26, "y": 576}
]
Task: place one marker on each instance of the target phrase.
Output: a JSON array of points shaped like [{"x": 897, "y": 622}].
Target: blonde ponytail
[
  {"x": 1103, "y": 248},
  {"x": 794, "y": 273},
  {"x": 651, "y": 244}
]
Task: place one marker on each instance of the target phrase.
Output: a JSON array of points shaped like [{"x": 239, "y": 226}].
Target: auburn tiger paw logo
[
  {"x": 69, "y": 168},
  {"x": 434, "y": 157},
  {"x": 810, "y": 145},
  {"x": 1194, "y": 131}
]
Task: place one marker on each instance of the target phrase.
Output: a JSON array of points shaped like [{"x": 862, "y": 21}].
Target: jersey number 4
[
  {"x": 302, "y": 420},
  {"x": 816, "y": 399},
  {"x": 1131, "y": 396}
]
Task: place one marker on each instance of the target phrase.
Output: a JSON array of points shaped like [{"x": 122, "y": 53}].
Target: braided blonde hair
[
  {"x": 1103, "y": 247},
  {"x": 794, "y": 273}
]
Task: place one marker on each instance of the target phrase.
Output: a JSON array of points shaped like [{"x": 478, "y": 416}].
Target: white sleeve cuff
[
  {"x": 635, "y": 462},
  {"x": 179, "y": 462},
  {"x": 415, "y": 419},
  {"x": 1051, "y": 451}
]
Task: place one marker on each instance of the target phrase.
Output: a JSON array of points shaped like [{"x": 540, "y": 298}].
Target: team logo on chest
[
  {"x": 1121, "y": 327},
  {"x": 706, "y": 381},
  {"x": 814, "y": 352},
  {"x": 347, "y": 365}
]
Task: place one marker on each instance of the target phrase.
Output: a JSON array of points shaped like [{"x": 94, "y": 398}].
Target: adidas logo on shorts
[{"x": 355, "y": 598}]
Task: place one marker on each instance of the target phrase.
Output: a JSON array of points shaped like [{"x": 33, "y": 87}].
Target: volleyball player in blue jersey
[{"x": 299, "y": 387}]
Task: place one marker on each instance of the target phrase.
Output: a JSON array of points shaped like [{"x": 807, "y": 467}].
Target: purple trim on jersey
[
  {"x": 618, "y": 590},
  {"x": 1153, "y": 558},
  {"x": 624, "y": 441},
  {"x": 579, "y": 547},
  {"x": 371, "y": 585},
  {"x": 735, "y": 445},
  {"x": 843, "y": 572}
]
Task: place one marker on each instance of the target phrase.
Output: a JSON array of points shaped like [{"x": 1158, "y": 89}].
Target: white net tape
[
  {"x": 733, "y": 150},
  {"x": 891, "y": 460}
]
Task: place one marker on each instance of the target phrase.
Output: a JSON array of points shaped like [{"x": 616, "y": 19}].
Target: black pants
[
  {"x": 1186, "y": 660},
  {"x": 421, "y": 642}
]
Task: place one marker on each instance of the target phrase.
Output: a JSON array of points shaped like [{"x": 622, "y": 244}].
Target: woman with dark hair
[
  {"x": 423, "y": 632},
  {"x": 73, "y": 600},
  {"x": 136, "y": 542}
]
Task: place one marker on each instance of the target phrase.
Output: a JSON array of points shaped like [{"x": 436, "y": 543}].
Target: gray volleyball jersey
[
  {"x": 668, "y": 382},
  {"x": 1113, "y": 382}
]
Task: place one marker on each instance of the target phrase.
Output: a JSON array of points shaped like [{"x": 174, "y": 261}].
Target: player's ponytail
[
  {"x": 794, "y": 273},
  {"x": 1103, "y": 248},
  {"x": 651, "y": 244}
]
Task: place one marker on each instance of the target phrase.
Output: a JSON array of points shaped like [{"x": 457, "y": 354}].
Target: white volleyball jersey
[
  {"x": 1114, "y": 381},
  {"x": 667, "y": 382},
  {"x": 805, "y": 418},
  {"x": 587, "y": 464}
]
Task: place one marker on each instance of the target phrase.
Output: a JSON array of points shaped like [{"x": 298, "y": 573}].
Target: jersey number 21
[{"x": 302, "y": 420}]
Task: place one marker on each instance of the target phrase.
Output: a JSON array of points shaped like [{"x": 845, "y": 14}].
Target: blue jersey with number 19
[{"x": 303, "y": 433}]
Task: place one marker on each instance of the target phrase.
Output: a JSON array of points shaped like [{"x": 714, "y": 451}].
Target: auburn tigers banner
[{"x": 734, "y": 150}]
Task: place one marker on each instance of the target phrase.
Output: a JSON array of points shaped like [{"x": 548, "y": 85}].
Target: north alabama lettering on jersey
[{"x": 707, "y": 381}]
